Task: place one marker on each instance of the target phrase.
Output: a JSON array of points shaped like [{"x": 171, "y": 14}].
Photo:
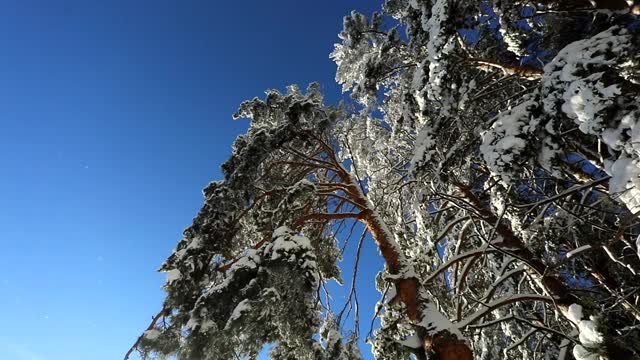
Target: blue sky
[{"x": 113, "y": 116}]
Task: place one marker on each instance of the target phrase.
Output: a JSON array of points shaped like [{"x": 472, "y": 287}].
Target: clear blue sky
[{"x": 113, "y": 116}]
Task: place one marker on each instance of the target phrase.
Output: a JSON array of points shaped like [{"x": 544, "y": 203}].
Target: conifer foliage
[{"x": 491, "y": 153}]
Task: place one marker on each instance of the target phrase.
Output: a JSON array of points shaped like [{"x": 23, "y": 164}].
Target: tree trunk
[
  {"x": 444, "y": 344},
  {"x": 512, "y": 244}
]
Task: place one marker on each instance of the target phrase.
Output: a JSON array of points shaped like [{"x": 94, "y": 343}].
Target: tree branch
[{"x": 164, "y": 312}]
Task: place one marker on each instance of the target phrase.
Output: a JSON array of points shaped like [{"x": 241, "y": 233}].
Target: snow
[
  {"x": 588, "y": 334},
  {"x": 617, "y": 138},
  {"x": 302, "y": 242},
  {"x": 438, "y": 46},
  {"x": 250, "y": 260},
  {"x": 181, "y": 253},
  {"x": 281, "y": 231},
  {"x": 503, "y": 144},
  {"x": 333, "y": 336},
  {"x": 434, "y": 321},
  {"x": 285, "y": 242},
  {"x": 574, "y": 252},
  {"x": 196, "y": 243},
  {"x": 586, "y": 99},
  {"x": 152, "y": 334},
  {"x": 574, "y": 313},
  {"x": 573, "y": 83},
  {"x": 412, "y": 341},
  {"x": 581, "y": 353},
  {"x": 625, "y": 172},
  {"x": 280, "y": 246},
  {"x": 192, "y": 323},
  {"x": 581, "y": 55},
  {"x": 207, "y": 325},
  {"x": 424, "y": 148},
  {"x": 638, "y": 245},
  {"x": 512, "y": 41},
  {"x": 173, "y": 275},
  {"x": 295, "y": 248},
  {"x": 243, "y": 307}
]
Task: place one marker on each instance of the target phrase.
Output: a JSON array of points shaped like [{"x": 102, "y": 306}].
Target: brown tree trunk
[
  {"x": 444, "y": 344},
  {"x": 554, "y": 286}
]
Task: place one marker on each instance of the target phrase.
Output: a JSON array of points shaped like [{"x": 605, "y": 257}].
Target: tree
[{"x": 490, "y": 153}]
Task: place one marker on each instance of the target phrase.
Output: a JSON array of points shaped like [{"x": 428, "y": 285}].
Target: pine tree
[{"x": 491, "y": 153}]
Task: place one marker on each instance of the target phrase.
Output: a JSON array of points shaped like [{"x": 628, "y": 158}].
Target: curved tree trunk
[{"x": 444, "y": 344}]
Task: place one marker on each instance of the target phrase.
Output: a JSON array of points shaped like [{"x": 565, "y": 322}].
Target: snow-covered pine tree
[
  {"x": 493, "y": 157},
  {"x": 520, "y": 116},
  {"x": 249, "y": 270}
]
